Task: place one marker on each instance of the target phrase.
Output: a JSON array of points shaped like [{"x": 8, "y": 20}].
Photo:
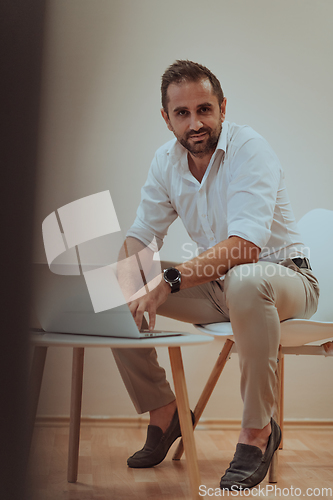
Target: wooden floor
[{"x": 305, "y": 462}]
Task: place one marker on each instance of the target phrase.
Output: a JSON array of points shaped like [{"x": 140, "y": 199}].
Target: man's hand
[
  {"x": 221, "y": 257},
  {"x": 148, "y": 301}
]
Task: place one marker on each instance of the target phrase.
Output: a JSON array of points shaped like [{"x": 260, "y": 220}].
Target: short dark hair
[{"x": 188, "y": 71}]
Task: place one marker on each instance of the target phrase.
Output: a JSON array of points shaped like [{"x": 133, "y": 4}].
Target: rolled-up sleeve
[
  {"x": 255, "y": 175},
  {"x": 155, "y": 213}
]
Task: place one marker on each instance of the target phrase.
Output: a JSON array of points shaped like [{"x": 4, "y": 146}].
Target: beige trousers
[{"x": 254, "y": 298}]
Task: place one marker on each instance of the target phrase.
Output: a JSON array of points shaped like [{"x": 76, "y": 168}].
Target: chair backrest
[{"x": 316, "y": 228}]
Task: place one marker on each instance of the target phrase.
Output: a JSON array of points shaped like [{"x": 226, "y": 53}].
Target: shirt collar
[{"x": 222, "y": 142}]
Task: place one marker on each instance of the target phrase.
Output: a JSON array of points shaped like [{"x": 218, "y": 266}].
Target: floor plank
[{"x": 305, "y": 462}]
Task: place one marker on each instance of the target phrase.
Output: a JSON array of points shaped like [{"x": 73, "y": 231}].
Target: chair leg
[
  {"x": 185, "y": 419},
  {"x": 75, "y": 414},
  {"x": 35, "y": 383},
  {"x": 208, "y": 389},
  {"x": 278, "y": 413},
  {"x": 281, "y": 422}
]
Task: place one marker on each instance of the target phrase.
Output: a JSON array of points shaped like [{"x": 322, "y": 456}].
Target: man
[{"x": 227, "y": 185}]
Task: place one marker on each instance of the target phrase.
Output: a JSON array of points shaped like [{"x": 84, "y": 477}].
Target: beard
[{"x": 204, "y": 147}]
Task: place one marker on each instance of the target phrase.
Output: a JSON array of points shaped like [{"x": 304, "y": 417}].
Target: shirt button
[
  {"x": 203, "y": 215},
  {"x": 211, "y": 239}
]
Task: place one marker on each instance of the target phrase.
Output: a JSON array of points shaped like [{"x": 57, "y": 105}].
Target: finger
[
  {"x": 152, "y": 319},
  {"x": 133, "y": 307},
  {"x": 138, "y": 318}
]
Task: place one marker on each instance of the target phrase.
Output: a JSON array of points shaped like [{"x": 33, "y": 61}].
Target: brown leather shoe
[
  {"x": 249, "y": 465},
  {"x": 157, "y": 444}
]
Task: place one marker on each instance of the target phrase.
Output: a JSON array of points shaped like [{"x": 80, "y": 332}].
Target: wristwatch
[{"x": 173, "y": 277}]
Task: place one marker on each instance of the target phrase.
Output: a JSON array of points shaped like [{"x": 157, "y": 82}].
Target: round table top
[{"x": 73, "y": 340}]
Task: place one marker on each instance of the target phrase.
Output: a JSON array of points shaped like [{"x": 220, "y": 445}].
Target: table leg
[
  {"x": 185, "y": 419},
  {"x": 75, "y": 414},
  {"x": 207, "y": 392},
  {"x": 273, "y": 469}
]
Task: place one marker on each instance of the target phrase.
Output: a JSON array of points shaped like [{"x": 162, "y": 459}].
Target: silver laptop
[{"x": 63, "y": 305}]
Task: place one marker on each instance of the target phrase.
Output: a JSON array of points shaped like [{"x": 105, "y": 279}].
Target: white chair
[
  {"x": 316, "y": 228},
  {"x": 78, "y": 343}
]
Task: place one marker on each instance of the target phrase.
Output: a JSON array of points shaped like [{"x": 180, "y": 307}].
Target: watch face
[{"x": 172, "y": 274}]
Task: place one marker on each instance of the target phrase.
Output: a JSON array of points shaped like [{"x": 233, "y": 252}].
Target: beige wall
[{"x": 101, "y": 125}]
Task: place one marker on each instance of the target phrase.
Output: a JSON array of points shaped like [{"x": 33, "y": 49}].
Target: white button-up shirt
[{"x": 242, "y": 193}]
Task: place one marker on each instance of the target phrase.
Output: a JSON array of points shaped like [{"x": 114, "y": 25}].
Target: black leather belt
[{"x": 302, "y": 262}]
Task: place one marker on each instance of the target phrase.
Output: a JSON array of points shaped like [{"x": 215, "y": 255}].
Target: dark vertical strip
[{"x": 21, "y": 40}]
